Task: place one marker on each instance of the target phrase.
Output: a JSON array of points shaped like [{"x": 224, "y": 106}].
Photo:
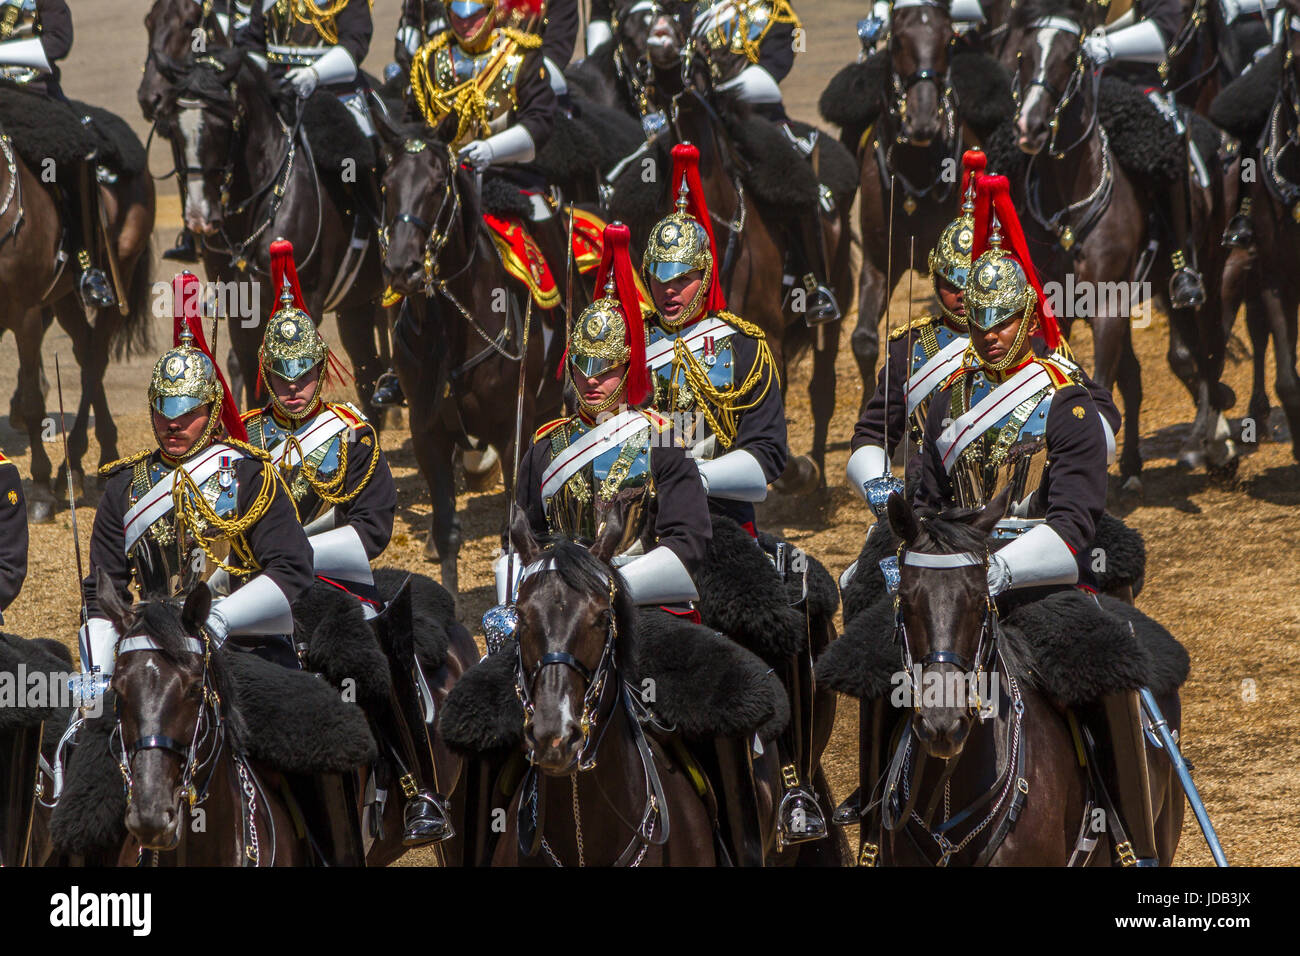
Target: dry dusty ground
[{"x": 1222, "y": 561}]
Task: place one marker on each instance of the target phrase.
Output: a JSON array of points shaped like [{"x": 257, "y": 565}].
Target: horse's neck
[
  {"x": 219, "y": 840},
  {"x": 1076, "y": 174},
  {"x": 695, "y": 125},
  {"x": 264, "y": 142},
  {"x": 611, "y": 790}
]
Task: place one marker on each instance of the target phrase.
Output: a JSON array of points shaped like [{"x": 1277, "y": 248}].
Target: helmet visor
[
  {"x": 990, "y": 317},
  {"x": 584, "y": 367},
  {"x": 174, "y": 406},
  {"x": 955, "y": 275},
  {"x": 292, "y": 369},
  {"x": 668, "y": 271},
  {"x": 465, "y": 9}
]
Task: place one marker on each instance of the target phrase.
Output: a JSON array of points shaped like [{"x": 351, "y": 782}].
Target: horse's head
[
  {"x": 420, "y": 204},
  {"x": 174, "y": 26},
  {"x": 203, "y": 111},
  {"x": 919, "y": 35},
  {"x": 1046, "y": 42},
  {"x": 575, "y": 620},
  {"x": 648, "y": 30},
  {"x": 167, "y": 688},
  {"x": 946, "y": 615}
]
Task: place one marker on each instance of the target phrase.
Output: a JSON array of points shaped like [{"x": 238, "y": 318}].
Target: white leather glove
[
  {"x": 1096, "y": 48},
  {"x": 1037, "y": 558},
  {"x": 736, "y": 476},
  {"x": 259, "y": 607},
  {"x": 477, "y": 154},
  {"x": 598, "y": 32},
  {"x": 303, "y": 79},
  {"x": 409, "y": 37},
  {"x": 512, "y": 145}
]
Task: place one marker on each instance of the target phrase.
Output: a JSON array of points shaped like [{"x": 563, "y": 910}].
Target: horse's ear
[
  {"x": 197, "y": 605},
  {"x": 993, "y": 512},
  {"x": 231, "y": 60},
  {"x": 608, "y": 536},
  {"x": 521, "y": 533},
  {"x": 110, "y": 602},
  {"x": 902, "y": 518},
  {"x": 390, "y": 137}
]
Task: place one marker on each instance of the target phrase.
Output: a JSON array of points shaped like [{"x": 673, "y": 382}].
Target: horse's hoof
[
  {"x": 1225, "y": 473},
  {"x": 40, "y": 509},
  {"x": 1224, "y": 397},
  {"x": 1192, "y": 458},
  {"x": 482, "y": 469},
  {"x": 1132, "y": 486}
]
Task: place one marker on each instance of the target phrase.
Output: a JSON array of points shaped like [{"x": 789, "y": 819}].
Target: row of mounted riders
[{"x": 764, "y": 799}]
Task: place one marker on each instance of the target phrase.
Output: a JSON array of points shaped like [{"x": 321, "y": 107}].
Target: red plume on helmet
[
  {"x": 523, "y": 9},
  {"x": 617, "y": 258},
  {"x": 686, "y": 163},
  {"x": 282, "y": 269},
  {"x": 186, "y": 292},
  {"x": 993, "y": 195},
  {"x": 973, "y": 161}
]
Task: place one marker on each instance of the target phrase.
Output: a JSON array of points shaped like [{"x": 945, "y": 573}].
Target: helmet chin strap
[
  {"x": 214, "y": 416},
  {"x": 311, "y": 407}
]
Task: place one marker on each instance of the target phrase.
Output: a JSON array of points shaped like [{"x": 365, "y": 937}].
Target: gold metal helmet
[
  {"x": 950, "y": 257},
  {"x": 997, "y": 290},
  {"x": 184, "y": 379},
  {"x": 679, "y": 244},
  {"x": 463, "y": 18},
  {"x": 291, "y": 347},
  {"x": 598, "y": 342}
]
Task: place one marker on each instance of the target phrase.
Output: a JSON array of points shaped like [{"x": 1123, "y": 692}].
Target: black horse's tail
[{"x": 135, "y": 334}]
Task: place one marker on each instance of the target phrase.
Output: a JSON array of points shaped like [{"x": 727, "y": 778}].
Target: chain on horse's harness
[
  {"x": 1094, "y": 204},
  {"x": 898, "y": 783},
  {"x": 1281, "y": 135},
  {"x": 209, "y": 731},
  {"x": 655, "y": 812}
]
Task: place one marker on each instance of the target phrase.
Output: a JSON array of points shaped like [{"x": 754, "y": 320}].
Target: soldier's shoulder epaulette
[
  {"x": 112, "y": 466},
  {"x": 656, "y": 420},
  {"x": 1062, "y": 375},
  {"x": 252, "y": 451},
  {"x": 548, "y": 428},
  {"x": 924, "y": 321},
  {"x": 350, "y": 414},
  {"x": 4, "y": 460},
  {"x": 250, "y": 415},
  {"x": 529, "y": 41},
  {"x": 740, "y": 325}
]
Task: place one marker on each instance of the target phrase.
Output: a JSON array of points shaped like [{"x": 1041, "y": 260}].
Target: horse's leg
[
  {"x": 1257, "y": 327},
  {"x": 1284, "y": 328},
  {"x": 873, "y": 298},
  {"x": 821, "y": 391},
  {"x": 1130, "y": 389},
  {"x": 357, "y": 333},
  {"x": 1183, "y": 361},
  {"x": 40, "y": 500}
]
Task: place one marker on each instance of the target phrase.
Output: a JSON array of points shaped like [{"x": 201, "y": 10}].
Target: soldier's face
[
  {"x": 597, "y": 389},
  {"x": 953, "y": 297},
  {"x": 675, "y": 295},
  {"x": 176, "y": 436},
  {"x": 296, "y": 395},
  {"x": 993, "y": 345}
]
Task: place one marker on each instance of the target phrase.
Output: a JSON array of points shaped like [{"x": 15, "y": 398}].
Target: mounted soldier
[
  {"x": 34, "y": 36},
  {"x": 481, "y": 85},
  {"x": 1008, "y": 422},
  {"x": 925, "y": 352},
  {"x": 1137, "y": 42},
  {"x": 13, "y": 534},
  {"x": 329, "y": 457}
]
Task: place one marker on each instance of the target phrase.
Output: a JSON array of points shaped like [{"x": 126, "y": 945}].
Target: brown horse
[
  {"x": 600, "y": 792},
  {"x": 37, "y": 284},
  {"x": 180, "y": 733},
  {"x": 658, "y": 69},
  {"x": 250, "y": 178},
  {"x": 1011, "y": 788},
  {"x": 1089, "y": 217},
  {"x": 903, "y": 159},
  {"x": 456, "y": 353}
]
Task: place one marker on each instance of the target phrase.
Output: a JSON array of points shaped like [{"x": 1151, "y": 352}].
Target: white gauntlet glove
[
  {"x": 303, "y": 79},
  {"x": 1096, "y": 48}
]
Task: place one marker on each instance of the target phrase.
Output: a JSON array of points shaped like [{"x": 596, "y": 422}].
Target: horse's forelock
[
  {"x": 1024, "y": 15},
  {"x": 950, "y": 532},
  {"x": 580, "y": 571}
]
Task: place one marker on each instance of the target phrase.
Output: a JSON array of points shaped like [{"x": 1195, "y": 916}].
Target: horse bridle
[
  {"x": 902, "y": 85},
  {"x": 1073, "y": 85}
]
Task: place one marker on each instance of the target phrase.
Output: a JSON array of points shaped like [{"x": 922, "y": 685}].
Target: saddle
[{"x": 45, "y": 128}]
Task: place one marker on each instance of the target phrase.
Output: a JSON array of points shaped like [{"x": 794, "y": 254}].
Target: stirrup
[
  {"x": 185, "y": 250},
  {"x": 425, "y": 820},
  {"x": 388, "y": 391},
  {"x": 95, "y": 291},
  {"x": 820, "y": 304},
  {"x": 1238, "y": 234},
  {"x": 1186, "y": 291},
  {"x": 799, "y": 818}
]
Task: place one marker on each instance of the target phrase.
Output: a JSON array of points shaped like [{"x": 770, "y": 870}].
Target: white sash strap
[
  {"x": 661, "y": 352},
  {"x": 996, "y": 405},
  {"x": 322, "y": 428},
  {"x": 613, "y": 432},
  {"x": 157, "y": 501},
  {"x": 933, "y": 373},
  {"x": 141, "y": 643}
]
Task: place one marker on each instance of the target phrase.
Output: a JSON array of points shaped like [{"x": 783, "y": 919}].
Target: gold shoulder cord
[
  {"x": 331, "y": 492},
  {"x": 112, "y": 466},
  {"x": 304, "y": 11},
  {"x": 465, "y": 99},
  {"x": 194, "y": 512},
  {"x": 725, "y": 423}
]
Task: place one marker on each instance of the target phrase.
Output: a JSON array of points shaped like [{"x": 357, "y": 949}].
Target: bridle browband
[{"x": 986, "y": 647}]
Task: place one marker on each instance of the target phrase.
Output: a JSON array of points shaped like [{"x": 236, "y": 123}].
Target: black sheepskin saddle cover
[
  {"x": 334, "y": 135},
  {"x": 704, "y": 685},
  {"x": 781, "y": 178},
  {"x": 1064, "y": 645},
  {"x": 45, "y": 128},
  {"x": 742, "y": 595},
  {"x": 291, "y": 721},
  {"x": 1242, "y": 107},
  {"x": 1143, "y": 141},
  {"x": 343, "y": 646},
  {"x": 586, "y": 143},
  {"x": 19, "y": 660}
]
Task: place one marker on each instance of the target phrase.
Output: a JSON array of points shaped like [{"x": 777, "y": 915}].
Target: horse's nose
[
  {"x": 555, "y": 750},
  {"x": 155, "y": 827},
  {"x": 942, "y": 730}
]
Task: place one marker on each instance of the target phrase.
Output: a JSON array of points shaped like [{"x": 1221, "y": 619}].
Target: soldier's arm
[
  {"x": 934, "y": 490},
  {"x": 277, "y": 540},
  {"x": 682, "y": 524},
  {"x": 370, "y": 513},
  {"x": 252, "y": 38},
  {"x": 1076, "y": 449},
  {"x": 536, "y": 112},
  {"x": 56, "y": 28},
  {"x": 560, "y": 31},
  {"x": 776, "y": 55},
  {"x": 761, "y": 430},
  {"x": 355, "y": 28},
  {"x": 881, "y": 426},
  {"x": 528, "y": 489},
  {"x": 13, "y": 535},
  {"x": 108, "y": 544}
]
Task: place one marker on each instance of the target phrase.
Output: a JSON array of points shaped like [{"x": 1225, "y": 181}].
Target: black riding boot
[
  {"x": 1186, "y": 290},
  {"x": 800, "y": 818},
  {"x": 1131, "y": 787},
  {"x": 425, "y": 817},
  {"x": 20, "y": 751},
  {"x": 819, "y": 302},
  {"x": 1240, "y": 233},
  {"x": 94, "y": 288},
  {"x": 739, "y": 800},
  {"x": 185, "y": 250},
  {"x": 388, "y": 391}
]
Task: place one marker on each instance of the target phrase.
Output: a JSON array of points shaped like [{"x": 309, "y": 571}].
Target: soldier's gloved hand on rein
[
  {"x": 303, "y": 79},
  {"x": 1097, "y": 48},
  {"x": 217, "y": 627},
  {"x": 999, "y": 575},
  {"x": 477, "y": 154}
]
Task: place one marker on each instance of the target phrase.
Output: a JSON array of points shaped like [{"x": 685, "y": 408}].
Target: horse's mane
[
  {"x": 949, "y": 531},
  {"x": 200, "y": 80},
  {"x": 584, "y": 573},
  {"x": 161, "y": 621},
  {"x": 1029, "y": 11}
]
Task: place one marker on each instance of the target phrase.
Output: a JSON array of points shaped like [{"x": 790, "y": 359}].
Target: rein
[
  {"x": 1280, "y": 135},
  {"x": 653, "y": 828}
]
